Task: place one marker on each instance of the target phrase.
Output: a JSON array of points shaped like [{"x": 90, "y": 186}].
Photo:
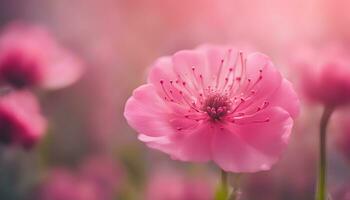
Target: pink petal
[
  {"x": 264, "y": 80},
  {"x": 286, "y": 98},
  {"x": 253, "y": 147},
  {"x": 160, "y": 76},
  {"x": 162, "y": 69},
  {"x": 189, "y": 66},
  {"x": 62, "y": 71},
  {"x": 146, "y": 112},
  {"x": 191, "y": 145},
  {"x": 271, "y": 78},
  {"x": 219, "y": 61}
]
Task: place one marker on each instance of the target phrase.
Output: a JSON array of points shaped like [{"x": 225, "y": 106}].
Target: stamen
[
  {"x": 188, "y": 103},
  {"x": 258, "y": 80},
  {"x": 230, "y": 70},
  {"x": 239, "y": 104},
  {"x": 195, "y": 117},
  {"x": 202, "y": 83},
  {"x": 226, "y": 58},
  {"x": 234, "y": 121},
  {"x": 164, "y": 90},
  {"x": 219, "y": 73},
  {"x": 217, "y": 106},
  {"x": 230, "y": 98}
]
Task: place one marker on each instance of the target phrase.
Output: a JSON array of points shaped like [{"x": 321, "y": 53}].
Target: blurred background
[{"x": 89, "y": 151}]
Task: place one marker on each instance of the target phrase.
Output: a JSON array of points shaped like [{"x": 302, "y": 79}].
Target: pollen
[{"x": 217, "y": 106}]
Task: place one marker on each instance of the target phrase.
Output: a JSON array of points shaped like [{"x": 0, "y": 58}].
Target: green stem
[
  {"x": 321, "y": 192},
  {"x": 224, "y": 184},
  {"x": 228, "y": 193}
]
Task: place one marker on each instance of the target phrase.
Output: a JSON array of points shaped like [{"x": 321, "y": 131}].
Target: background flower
[
  {"x": 21, "y": 121},
  {"x": 325, "y": 73},
  {"x": 97, "y": 178},
  {"x": 174, "y": 185},
  {"x": 29, "y": 57}
]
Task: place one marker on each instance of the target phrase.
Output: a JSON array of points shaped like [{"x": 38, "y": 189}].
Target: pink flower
[
  {"x": 326, "y": 74},
  {"x": 171, "y": 185},
  {"x": 96, "y": 179},
  {"x": 29, "y": 56},
  {"x": 340, "y": 191},
  {"x": 21, "y": 121},
  {"x": 104, "y": 172},
  {"x": 63, "y": 185},
  {"x": 215, "y": 103}
]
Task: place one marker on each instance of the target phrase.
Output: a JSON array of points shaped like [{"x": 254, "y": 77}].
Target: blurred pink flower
[
  {"x": 97, "y": 178},
  {"x": 29, "y": 56},
  {"x": 104, "y": 172},
  {"x": 62, "y": 185},
  {"x": 20, "y": 119},
  {"x": 325, "y": 74},
  {"x": 215, "y": 103},
  {"x": 340, "y": 192},
  {"x": 170, "y": 185}
]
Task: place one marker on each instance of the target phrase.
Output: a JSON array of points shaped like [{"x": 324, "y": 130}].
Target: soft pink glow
[
  {"x": 215, "y": 103},
  {"x": 29, "y": 56}
]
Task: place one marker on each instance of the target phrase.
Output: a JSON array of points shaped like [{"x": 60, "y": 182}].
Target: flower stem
[
  {"x": 224, "y": 184},
  {"x": 321, "y": 192},
  {"x": 225, "y": 192},
  {"x": 223, "y": 189}
]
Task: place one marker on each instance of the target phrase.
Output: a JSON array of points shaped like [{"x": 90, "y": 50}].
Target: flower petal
[
  {"x": 286, "y": 98},
  {"x": 191, "y": 67},
  {"x": 191, "y": 145},
  {"x": 161, "y": 75},
  {"x": 270, "y": 76},
  {"x": 261, "y": 80},
  {"x": 219, "y": 62},
  {"x": 66, "y": 65},
  {"x": 146, "y": 112},
  {"x": 254, "y": 146},
  {"x": 162, "y": 69}
]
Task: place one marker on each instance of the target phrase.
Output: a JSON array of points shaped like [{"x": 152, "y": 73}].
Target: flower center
[
  {"x": 217, "y": 106},
  {"x": 19, "y": 73}
]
